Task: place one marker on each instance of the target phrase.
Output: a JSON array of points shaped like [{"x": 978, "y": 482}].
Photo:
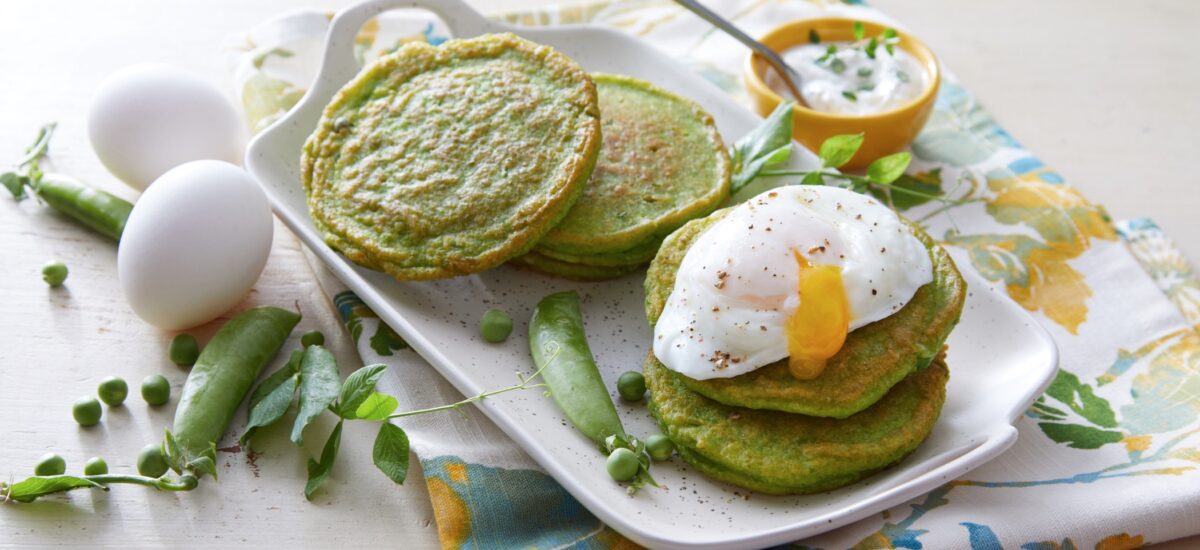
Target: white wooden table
[{"x": 1115, "y": 118}]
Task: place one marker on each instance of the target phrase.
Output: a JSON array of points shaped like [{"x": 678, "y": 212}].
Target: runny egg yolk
[{"x": 818, "y": 327}]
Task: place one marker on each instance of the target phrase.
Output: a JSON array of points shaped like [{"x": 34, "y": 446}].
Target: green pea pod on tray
[{"x": 560, "y": 352}]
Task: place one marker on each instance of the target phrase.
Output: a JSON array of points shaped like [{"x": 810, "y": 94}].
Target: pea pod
[
  {"x": 214, "y": 389},
  {"x": 222, "y": 377},
  {"x": 560, "y": 351},
  {"x": 102, "y": 211}
]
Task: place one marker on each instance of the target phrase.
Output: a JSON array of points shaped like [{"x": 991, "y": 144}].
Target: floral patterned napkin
[{"x": 1107, "y": 458}]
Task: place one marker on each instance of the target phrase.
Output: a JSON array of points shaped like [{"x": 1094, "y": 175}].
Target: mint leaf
[
  {"x": 865, "y": 72},
  {"x": 756, "y": 167},
  {"x": 812, "y": 178},
  {"x": 838, "y": 150},
  {"x": 318, "y": 471},
  {"x": 272, "y": 406},
  {"x": 377, "y": 407},
  {"x": 927, "y": 183},
  {"x": 319, "y": 386},
  {"x": 889, "y": 33},
  {"x": 768, "y": 144},
  {"x": 357, "y": 388},
  {"x": 391, "y": 452},
  {"x": 273, "y": 397},
  {"x": 850, "y": 95},
  {"x": 29, "y": 489},
  {"x": 860, "y": 30},
  {"x": 887, "y": 169},
  {"x": 276, "y": 378},
  {"x": 837, "y": 65},
  {"x": 813, "y": 37},
  {"x": 871, "y": 47}
]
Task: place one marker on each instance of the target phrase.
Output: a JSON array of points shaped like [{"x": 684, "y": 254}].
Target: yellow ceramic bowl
[{"x": 886, "y": 132}]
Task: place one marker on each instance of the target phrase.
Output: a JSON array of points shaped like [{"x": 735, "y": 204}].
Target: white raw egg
[
  {"x": 195, "y": 244},
  {"x": 149, "y": 118}
]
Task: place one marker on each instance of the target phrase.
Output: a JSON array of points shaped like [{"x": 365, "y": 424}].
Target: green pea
[
  {"x": 113, "y": 391},
  {"x": 622, "y": 464},
  {"x": 183, "y": 350},
  {"x": 87, "y": 411},
  {"x": 51, "y": 464},
  {"x": 54, "y": 273},
  {"x": 150, "y": 461},
  {"x": 495, "y": 326},
  {"x": 156, "y": 390},
  {"x": 659, "y": 447},
  {"x": 631, "y": 386},
  {"x": 312, "y": 338},
  {"x": 95, "y": 466}
]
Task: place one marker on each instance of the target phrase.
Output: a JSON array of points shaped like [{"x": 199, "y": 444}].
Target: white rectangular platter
[{"x": 996, "y": 345}]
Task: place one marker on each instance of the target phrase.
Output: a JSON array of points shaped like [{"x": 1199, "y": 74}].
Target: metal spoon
[{"x": 790, "y": 76}]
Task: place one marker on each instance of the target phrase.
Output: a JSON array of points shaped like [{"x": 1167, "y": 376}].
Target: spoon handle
[{"x": 785, "y": 72}]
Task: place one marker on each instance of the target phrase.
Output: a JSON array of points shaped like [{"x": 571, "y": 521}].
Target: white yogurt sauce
[{"x": 851, "y": 83}]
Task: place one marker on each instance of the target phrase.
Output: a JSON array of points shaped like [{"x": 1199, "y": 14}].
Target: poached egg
[{"x": 787, "y": 274}]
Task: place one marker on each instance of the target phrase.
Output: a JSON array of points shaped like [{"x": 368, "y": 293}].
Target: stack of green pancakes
[
  {"x": 661, "y": 164},
  {"x": 767, "y": 431},
  {"x": 437, "y": 161}
]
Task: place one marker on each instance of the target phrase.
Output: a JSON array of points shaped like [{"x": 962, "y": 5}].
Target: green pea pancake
[
  {"x": 873, "y": 359},
  {"x": 438, "y": 161},
  {"x": 781, "y": 453},
  {"x": 661, "y": 164},
  {"x": 638, "y": 256},
  {"x": 567, "y": 270}
]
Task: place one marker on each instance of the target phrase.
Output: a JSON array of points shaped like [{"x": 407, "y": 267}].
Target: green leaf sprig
[
  {"x": 32, "y": 488},
  {"x": 768, "y": 144},
  {"x": 313, "y": 375},
  {"x": 353, "y": 399},
  {"x": 756, "y": 152},
  {"x": 884, "y": 177}
]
